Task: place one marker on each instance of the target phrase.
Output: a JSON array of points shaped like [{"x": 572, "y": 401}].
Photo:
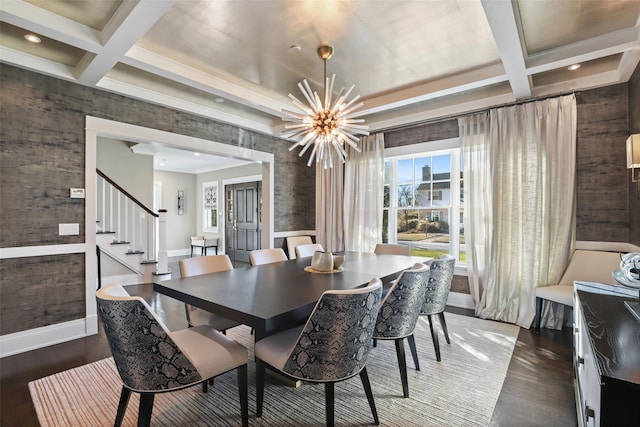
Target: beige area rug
[{"x": 461, "y": 390}]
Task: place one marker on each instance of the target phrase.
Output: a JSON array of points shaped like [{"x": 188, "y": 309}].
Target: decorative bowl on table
[{"x": 629, "y": 273}]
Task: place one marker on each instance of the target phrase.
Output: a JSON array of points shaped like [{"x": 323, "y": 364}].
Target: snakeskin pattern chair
[
  {"x": 151, "y": 360},
  {"x": 316, "y": 352},
  {"x": 304, "y": 251},
  {"x": 392, "y": 248},
  {"x": 399, "y": 313},
  {"x": 436, "y": 296},
  {"x": 267, "y": 256}
]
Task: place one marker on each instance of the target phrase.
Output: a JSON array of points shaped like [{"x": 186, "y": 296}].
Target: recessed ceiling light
[
  {"x": 196, "y": 154},
  {"x": 295, "y": 48},
  {"x": 32, "y": 38},
  {"x": 574, "y": 67}
]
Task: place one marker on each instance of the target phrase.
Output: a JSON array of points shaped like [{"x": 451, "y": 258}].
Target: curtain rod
[{"x": 476, "y": 111}]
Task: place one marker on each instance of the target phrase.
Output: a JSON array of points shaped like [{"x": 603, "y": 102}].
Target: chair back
[
  {"x": 204, "y": 265},
  {"x": 148, "y": 360},
  {"x": 304, "y": 251},
  {"x": 294, "y": 241},
  {"x": 335, "y": 341},
  {"x": 439, "y": 284},
  {"x": 392, "y": 248},
  {"x": 267, "y": 256},
  {"x": 400, "y": 308}
]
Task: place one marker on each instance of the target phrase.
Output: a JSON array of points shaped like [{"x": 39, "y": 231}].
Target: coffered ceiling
[{"x": 411, "y": 61}]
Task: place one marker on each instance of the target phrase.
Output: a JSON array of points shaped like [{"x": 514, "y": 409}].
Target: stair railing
[{"x": 122, "y": 215}]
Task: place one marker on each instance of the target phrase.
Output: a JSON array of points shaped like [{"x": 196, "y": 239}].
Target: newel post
[{"x": 162, "y": 266}]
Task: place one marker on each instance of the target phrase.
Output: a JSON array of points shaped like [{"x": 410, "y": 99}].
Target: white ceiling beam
[
  {"x": 502, "y": 20},
  {"x": 35, "y": 63},
  {"x": 158, "y": 98},
  {"x": 161, "y": 66},
  {"x": 32, "y": 18},
  {"x": 130, "y": 22},
  {"x": 462, "y": 82},
  {"x": 585, "y": 50}
]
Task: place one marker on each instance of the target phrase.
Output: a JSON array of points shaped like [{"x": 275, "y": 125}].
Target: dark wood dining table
[{"x": 277, "y": 296}]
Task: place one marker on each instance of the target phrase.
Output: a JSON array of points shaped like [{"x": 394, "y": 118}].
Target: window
[
  {"x": 426, "y": 208},
  {"x": 210, "y": 206}
]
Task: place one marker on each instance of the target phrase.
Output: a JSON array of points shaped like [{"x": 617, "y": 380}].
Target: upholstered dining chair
[
  {"x": 392, "y": 248},
  {"x": 440, "y": 277},
  {"x": 150, "y": 359},
  {"x": 399, "y": 313},
  {"x": 205, "y": 265},
  {"x": 267, "y": 256},
  {"x": 304, "y": 251},
  {"x": 316, "y": 352},
  {"x": 294, "y": 241}
]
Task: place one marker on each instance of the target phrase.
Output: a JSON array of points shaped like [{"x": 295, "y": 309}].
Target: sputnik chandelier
[{"x": 324, "y": 125}]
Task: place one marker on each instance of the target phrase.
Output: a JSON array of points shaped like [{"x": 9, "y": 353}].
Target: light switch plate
[
  {"x": 76, "y": 193},
  {"x": 68, "y": 229}
]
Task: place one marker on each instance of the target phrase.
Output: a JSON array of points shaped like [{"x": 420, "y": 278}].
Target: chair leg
[
  {"x": 375, "y": 342},
  {"x": 443, "y": 323},
  {"x": 259, "y": 386},
  {"x": 244, "y": 394},
  {"x": 205, "y": 386},
  {"x": 434, "y": 337},
  {"x": 329, "y": 402},
  {"x": 402, "y": 365},
  {"x": 364, "y": 377},
  {"x": 122, "y": 406},
  {"x": 414, "y": 352},
  {"x": 538, "y": 314},
  {"x": 146, "y": 407}
]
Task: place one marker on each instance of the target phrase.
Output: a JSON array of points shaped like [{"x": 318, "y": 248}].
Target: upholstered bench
[
  {"x": 204, "y": 242},
  {"x": 585, "y": 265}
]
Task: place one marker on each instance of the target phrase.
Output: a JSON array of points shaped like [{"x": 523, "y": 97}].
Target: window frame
[{"x": 450, "y": 147}]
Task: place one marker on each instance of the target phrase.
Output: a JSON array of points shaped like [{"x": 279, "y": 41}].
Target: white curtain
[
  {"x": 363, "y": 194},
  {"x": 329, "y": 196},
  {"x": 478, "y": 230},
  {"x": 530, "y": 208}
]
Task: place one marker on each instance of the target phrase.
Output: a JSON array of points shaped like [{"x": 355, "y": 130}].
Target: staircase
[{"x": 126, "y": 236}]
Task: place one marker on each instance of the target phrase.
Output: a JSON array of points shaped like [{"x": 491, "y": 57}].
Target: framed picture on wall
[{"x": 210, "y": 206}]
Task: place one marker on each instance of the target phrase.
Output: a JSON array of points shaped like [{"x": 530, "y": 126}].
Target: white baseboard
[
  {"x": 457, "y": 299},
  {"x": 182, "y": 252},
  {"x": 45, "y": 336}
]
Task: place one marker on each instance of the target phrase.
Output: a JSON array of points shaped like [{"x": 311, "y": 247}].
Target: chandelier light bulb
[{"x": 324, "y": 125}]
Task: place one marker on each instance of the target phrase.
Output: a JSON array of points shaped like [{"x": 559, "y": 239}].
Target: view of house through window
[{"x": 423, "y": 204}]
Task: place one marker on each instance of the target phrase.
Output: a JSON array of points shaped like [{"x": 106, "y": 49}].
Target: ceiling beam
[
  {"x": 502, "y": 20},
  {"x": 130, "y": 22}
]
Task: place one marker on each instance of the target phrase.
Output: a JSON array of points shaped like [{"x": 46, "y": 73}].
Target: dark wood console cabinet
[{"x": 606, "y": 359}]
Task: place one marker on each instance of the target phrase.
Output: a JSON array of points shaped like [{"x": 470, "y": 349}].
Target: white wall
[
  {"x": 220, "y": 175},
  {"x": 179, "y": 227},
  {"x": 133, "y": 172}
]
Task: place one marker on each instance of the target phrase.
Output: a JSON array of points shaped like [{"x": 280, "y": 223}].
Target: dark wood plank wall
[{"x": 42, "y": 155}]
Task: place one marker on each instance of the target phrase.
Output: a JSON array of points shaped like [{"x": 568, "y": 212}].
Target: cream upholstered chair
[
  {"x": 204, "y": 242},
  {"x": 399, "y": 313},
  {"x": 304, "y": 251},
  {"x": 316, "y": 353},
  {"x": 294, "y": 241},
  {"x": 440, "y": 277},
  {"x": 586, "y": 265},
  {"x": 205, "y": 265},
  {"x": 187, "y": 357},
  {"x": 392, "y": 248},
  {"x": 267, "y": 256}
]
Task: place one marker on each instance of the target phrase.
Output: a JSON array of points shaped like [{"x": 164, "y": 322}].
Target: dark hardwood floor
[{"x": 538, "y": 389}]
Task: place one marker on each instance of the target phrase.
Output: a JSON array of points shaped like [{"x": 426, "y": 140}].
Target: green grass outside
[{"x": 433, "y": 253}]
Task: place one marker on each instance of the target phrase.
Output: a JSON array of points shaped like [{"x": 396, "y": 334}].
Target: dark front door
[{"x": 243, "y": 216}]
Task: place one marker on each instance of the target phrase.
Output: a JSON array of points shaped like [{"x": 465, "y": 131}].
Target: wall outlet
[{"x": 68, "y": 229}]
